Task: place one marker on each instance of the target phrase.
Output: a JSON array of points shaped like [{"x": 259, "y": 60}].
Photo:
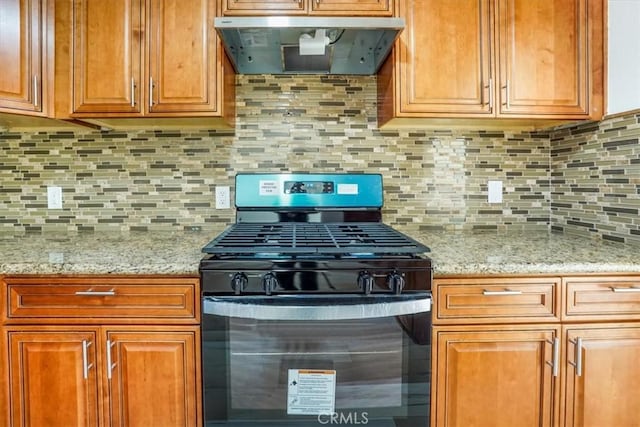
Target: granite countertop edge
[{"x": 179, "y": 253}]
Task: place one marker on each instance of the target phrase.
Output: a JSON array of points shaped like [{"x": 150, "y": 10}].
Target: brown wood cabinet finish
[
  {"x": 308, "y": 7},
  {"x": 494, "y": 376},
  {"x": 48, "y": 383},
  {"x": 94, "y": 300},
  {"x": 602, "y": 298},
  {"x": 504, "y": 59},
  {"x": 483, "y": 376},
  {"x": 497, "y": 300},
  {"x": 604, "y": 390},
  {"x": 24, "y": 38},
  {"x": 87, "y": 360},
  {"x": 147, "y": 58}
]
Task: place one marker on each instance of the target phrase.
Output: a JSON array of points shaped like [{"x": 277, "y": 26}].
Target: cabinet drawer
[
  {"x": 602, "y": 298},
  {"x": 498, "y": 300},
  {"x": 121, "y": 300}
]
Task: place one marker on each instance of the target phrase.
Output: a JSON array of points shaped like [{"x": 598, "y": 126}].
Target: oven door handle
[{"x": 312, "y": 308}]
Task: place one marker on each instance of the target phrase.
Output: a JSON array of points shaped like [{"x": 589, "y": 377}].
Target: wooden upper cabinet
[
  {"x": 272, "y": 7},
  {"x": 182, "y": 74},
  {"x": 138, "y": 58},
  {"x": 107, "y": 60},
  {"x": 544, "y": 57},
  {"x": 444, "y": 57},
  {"x": 22, "y": 41},
  {"x": 352, "y": 8},
  {"x": 312, "y": 7},
  {"x": 534, "y": 59},
  {"x": 53, "y": 378}
]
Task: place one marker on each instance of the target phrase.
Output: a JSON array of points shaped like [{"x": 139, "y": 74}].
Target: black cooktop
[{"x": 313, "y": 238}]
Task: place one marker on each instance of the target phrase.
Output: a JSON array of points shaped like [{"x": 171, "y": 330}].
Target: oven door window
[{"x": 372, "y": 371}]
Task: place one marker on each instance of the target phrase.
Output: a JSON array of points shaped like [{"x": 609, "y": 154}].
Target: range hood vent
[{"x": 307, "y": 45}]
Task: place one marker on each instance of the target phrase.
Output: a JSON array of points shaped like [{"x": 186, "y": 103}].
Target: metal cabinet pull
[
  {"x": 150, "y": 92},
  {"x": 500, "y": 293},
  {"x": 508, "y": 95},
  {"x": 625, "y": 290},
  {"x": 36, "y": 92},
  {"x": 577, "y": 356},
  {"x": 490, "y": 94},
  {"x": 555, "y": 363},
  {"x": 85, "y": 359},
  {"x": 93, "y": 293},
  {"x": 110, "y": 365},
  {"x": 133, "y": 92}
]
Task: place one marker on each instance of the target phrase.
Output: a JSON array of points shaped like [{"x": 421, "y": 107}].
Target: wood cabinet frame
[{"x": 116, "y": 358}]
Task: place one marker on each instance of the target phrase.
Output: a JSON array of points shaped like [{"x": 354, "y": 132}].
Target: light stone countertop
[{"x": 178, "y": 253}]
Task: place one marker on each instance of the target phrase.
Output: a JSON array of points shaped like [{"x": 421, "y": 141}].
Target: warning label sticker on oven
[
  {"x": 311, "y": 392},
  {"x": 268, "y": 188}
]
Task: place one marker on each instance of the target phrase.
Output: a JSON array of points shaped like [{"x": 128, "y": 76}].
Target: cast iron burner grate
[{"x": 303, "y": 237}]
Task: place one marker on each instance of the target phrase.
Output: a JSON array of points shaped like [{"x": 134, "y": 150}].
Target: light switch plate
[
  {"x": 495, "y": 191},
  {"x": 54, "y": 197}
]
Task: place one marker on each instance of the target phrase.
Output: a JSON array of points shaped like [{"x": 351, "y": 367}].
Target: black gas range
[{"x": 310, "y": 286}]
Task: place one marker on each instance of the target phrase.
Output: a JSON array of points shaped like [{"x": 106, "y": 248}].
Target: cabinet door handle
[
  {"x": 577, "y": 356},
  {"x": 110, "y": 365},
  {"x": 150, "y": 92},
  {"x": 133, "y": 92},
  {"x": 501, "y": 293},
  {"x": 507, "y": 95},
  {"x": 91, "y": 292},
  {"x": 36, "y": 92},
  {"x": 85, "y": 359},
  {"x": 555, "y": 363},
  {"x": 625, "y": 290},
  {"x": 491, "y": 95}
]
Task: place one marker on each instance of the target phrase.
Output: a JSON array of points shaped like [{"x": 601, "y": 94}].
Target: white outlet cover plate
[{"x": 223, "y": 200}]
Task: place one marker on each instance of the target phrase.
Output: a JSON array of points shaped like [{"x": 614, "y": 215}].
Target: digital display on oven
[{"x": 308, "y": 187}]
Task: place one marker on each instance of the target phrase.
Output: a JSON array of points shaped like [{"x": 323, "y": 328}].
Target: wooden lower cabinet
[
  {"x": 152, "y": 377},
  {"x": 52, "y": 377},
  {"x": 148, "y": 374},
  {"x": 494, "y": 376},
  {"x": 602, "y": 375}
]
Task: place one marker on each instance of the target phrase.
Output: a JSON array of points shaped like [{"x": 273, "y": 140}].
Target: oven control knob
[
  {"x": 269, "y": 283},
  {"x": 395, "y": 282},
  {"x": 365, "y": 282},
  {"x": 239, "y": 282}
]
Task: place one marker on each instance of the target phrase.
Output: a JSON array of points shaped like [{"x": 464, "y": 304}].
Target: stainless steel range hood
[{"x": 307, "y": 45}]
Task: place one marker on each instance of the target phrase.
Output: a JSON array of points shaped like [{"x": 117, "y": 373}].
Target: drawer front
[
  {"x": 499, "y": 300},
  {"x": 123, "y": 300},
  {"x": 605, "y": 298}
]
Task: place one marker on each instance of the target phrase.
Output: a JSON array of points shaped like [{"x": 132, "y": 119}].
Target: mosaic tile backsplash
[{"x": 583, "y": 179}]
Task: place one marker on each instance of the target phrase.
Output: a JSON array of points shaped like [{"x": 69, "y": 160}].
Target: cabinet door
[
  {"x": 182, "y": 56},
  {"x": 352, "y": 8},
  {"x": 107, "y": 72},
  {"x": 52, "y": 378},
  {"x": 272, "y": 7},
  {"x": 21, "y": 44},
  {"x": 495, "y": 377},
  {"x": 603, "y": 389},
  {"x": 444, "y": 62},
  {"x": 543, "y": 57},
  {"x": 152, "y": 377}
]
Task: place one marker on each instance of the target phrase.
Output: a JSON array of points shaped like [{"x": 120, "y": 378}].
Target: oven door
[{"x": 317, "y": 360}]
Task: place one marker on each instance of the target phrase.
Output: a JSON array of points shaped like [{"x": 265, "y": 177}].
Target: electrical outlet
[
  {"x": 223, "y": 200},
  {"x": 54, "y": 197}
]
